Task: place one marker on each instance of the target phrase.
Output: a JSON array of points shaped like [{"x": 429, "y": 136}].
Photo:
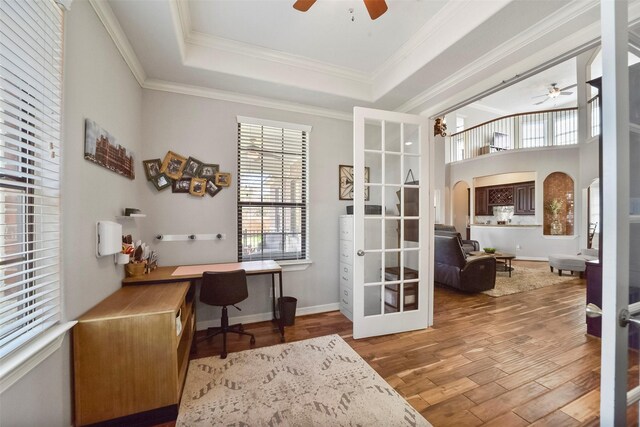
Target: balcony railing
[
  {"x": 526, "y": 130},
  {"x": 594, "y": 109}
]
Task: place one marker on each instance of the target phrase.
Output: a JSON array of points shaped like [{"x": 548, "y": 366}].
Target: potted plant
[{"x": 554, "y": 207}]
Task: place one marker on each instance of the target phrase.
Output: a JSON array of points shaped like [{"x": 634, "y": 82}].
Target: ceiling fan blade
[
  {"x": 568, "y": 87},
  {"x": 303, "y": 5},
  {"x": 539, "y": 96},
  {"x": 541, "y": 102},
  {"x": 566, "y": 93},
  {"x": 375, "y": 8}
]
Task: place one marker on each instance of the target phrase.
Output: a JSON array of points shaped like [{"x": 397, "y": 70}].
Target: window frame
[{"x": 303, "y": 205}]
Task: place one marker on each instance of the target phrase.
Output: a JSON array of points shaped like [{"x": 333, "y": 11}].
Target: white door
[
  {"x": 621, "y": 223},
  {"x": 393, "y": 243}
]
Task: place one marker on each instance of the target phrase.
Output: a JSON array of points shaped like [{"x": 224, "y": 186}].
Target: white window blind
[
  {"x": 272, "y": 190},
  {"x": 30, "y": 103}
]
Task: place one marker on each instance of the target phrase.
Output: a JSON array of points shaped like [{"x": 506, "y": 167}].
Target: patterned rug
[
  {"x": 316, "y": 382},
  {"x": 525, "y": 279}
]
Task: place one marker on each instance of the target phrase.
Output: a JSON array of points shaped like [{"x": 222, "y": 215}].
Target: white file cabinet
[{"x": 346, "y": 265}]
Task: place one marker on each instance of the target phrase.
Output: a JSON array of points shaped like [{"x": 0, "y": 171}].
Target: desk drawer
[
  {"x": 346, "y": 252},
  {"x": 346, "y": 228},
  {"x": 346, "y": 275},
  {"x": 346, "y": 298}
]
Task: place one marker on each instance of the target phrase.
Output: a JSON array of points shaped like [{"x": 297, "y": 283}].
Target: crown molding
[
  {"x": 189, "y": 36},
  {"x": 181, "y": 22},
  {"x": 507, "y": 48},
  {"x": 265, "y": 54},
  {"x": 220, "y": 95},
  {"x": 111, "y": 24}
]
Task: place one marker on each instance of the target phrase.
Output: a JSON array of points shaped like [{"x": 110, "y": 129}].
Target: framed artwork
[
  {"x": 198, "y": 187},
  {"x": 100, "y": 147},
  {"x": 173, "y": 165},
  {"x": 208, "y": 171},
  {"x": 182, "y": 185},
  {"x": 212, "y": 189},
  {"x": 192, "y": 167},
  {"x": 152, "y": 168},
  {"x": 223, "y": 179},
  {"x": 161, "y": 181},
  {"x": 345, "y": 177}
]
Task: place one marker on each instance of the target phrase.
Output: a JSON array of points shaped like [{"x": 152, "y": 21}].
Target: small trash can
[{"x": 287, "y": 306}]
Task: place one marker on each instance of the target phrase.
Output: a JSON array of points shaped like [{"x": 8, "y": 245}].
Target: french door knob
[
  {"x": 360, "y": 252},
  {"x": 593, "y": 310}
]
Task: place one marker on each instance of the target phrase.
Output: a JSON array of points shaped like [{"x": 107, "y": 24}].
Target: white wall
[
  {"x": 100, "y": 86},
  {"x": 207, "y": 130}
]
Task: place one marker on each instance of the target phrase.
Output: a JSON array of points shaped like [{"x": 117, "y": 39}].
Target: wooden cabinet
[
  {"x": 131, "y": 352},
  {"x": 482, "y": 201},
  {"x": 525, "y": 198}
]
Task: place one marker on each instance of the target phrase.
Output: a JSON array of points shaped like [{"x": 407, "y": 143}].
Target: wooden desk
[
  {"x": 131, "y": 352},
  {"x": 192, "y": 273}
]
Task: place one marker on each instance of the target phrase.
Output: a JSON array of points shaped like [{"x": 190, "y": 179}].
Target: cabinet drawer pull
[
  {"x": 346, "y": 270},
  {"x": 345, "y": 292},
  {"x": 345, "y": 302}
]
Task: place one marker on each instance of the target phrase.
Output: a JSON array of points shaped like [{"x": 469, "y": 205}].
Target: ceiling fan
[
  {"x": 375, "y": 7},
  {"x": 554, "y": 92}
]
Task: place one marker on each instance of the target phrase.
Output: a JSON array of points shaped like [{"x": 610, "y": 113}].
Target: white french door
[
  {"x": 621, "y": 223},
  {"x": 393, "y": 223}
]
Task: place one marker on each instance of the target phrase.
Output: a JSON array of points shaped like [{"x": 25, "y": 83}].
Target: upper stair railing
[{"x": 526, "y": 130}]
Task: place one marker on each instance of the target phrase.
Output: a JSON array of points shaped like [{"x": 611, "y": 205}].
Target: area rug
[
  {"x": 316, "y": 382},
  {"x": 524, "y": 279}
]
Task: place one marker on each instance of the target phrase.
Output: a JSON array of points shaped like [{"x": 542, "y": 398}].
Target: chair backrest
[
  {"x": 448, "y": 251},
  {"x": 444, "y": 227},
  {"x": 224, "y": 288}
]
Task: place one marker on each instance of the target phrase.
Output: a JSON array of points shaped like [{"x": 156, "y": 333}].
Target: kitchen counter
[
  {"x": 507, "y": 225},
  {"x": 526, "y": 241}
]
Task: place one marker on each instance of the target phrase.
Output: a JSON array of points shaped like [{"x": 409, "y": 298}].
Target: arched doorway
[{"x": 460, "y": 209}]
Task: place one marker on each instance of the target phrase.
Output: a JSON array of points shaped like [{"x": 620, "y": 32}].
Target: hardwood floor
[{"x": 517, "y": 360}]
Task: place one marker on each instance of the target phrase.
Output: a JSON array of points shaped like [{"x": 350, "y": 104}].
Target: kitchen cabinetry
[
  {"x": 524, "y": 198},
  {"x": 521, "y": 195},
  {"x": 131, "y": 352},
  {"x": 482, "y": 201}
]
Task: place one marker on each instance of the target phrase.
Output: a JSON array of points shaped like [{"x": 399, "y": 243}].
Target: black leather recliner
[
  {"x": 453, "y": 268},
  {"x": 449, "y": 230}
]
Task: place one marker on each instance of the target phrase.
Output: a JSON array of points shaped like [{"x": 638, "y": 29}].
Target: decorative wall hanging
[
  {"x": 208, "y": 171},
  {"x": 152, "y": 168},
  {"x": 192, "y": 167},
  {"x": 223, "y": 179},
  {"x": 100, "y": 147},
  {"x": 198, "y": 186},
  {"x": 186, "y": 175},
  {"x": 345, "y": 175},
  {"x": 173, "y": 165}
]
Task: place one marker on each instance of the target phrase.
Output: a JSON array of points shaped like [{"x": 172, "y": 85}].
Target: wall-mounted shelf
[{"x": 132, "y": 216}]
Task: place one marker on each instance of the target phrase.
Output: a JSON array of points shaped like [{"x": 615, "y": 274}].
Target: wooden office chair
[{"x": 221, "y": 290}]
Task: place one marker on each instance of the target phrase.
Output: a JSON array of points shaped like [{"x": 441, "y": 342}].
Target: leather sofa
[
  {"x": 449, "y": 230},
  {"x": 454, "y": 269}
]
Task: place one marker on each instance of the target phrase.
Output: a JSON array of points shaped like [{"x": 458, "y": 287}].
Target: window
[
  {"x": 272, "y": 190},
  {"x": 30, "y": 98}
]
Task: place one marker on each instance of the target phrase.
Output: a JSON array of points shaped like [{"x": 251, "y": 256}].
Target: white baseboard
[
  {"x": 531, "y": 258},
  {"x": 262, "y": 317}
]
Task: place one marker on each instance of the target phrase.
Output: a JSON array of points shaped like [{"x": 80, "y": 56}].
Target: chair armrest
[{"x": 475, "y": 244}]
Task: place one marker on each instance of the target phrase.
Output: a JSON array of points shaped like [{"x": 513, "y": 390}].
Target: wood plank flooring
[{"x": 517, "y": 360}]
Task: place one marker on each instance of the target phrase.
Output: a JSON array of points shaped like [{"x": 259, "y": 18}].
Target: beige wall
[
  {"x": 207, "y": 130},
  {"x": 98, "y": 85}
]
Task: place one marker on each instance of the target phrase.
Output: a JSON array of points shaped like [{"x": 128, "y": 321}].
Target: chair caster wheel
[{"x": 252, "y": 341}]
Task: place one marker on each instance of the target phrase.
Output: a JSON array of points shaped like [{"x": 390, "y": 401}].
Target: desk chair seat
[{"x": 221, "y": 290}]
